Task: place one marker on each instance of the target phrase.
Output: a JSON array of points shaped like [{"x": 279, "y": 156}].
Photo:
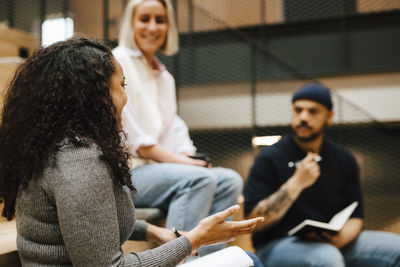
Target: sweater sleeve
[{"x": 83, "y": 192}]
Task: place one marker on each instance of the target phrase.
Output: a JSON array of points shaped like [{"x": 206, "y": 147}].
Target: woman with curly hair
[{"x": 64, "y": 172}]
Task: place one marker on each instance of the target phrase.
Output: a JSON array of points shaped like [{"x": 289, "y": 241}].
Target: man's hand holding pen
[
  {"x": 295, "y": 164},
  {"x": 308, "y": 171}
]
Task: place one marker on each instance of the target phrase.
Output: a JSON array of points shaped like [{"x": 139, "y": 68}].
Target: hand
[
  {"x": 308, "y": 171},
  {"x": 160, "y": 154},
  {"x": 201, "y": 156},
  {"x": 187, "y": 160},
  {"x": 330, "y": 238},
  {"x": 349, "y": 232},
  {"x": 318, "y": 237},
  {"x": 214, "y": 229},
  {"x": 334, "y": 239}
]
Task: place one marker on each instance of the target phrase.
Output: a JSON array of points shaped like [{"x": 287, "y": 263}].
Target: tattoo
[{"x": 275, "y": 206}]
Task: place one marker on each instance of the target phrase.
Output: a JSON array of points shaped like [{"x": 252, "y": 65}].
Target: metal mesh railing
[
  {"x": 240, "y": 60},
  {"x": 234, "y": 84}
]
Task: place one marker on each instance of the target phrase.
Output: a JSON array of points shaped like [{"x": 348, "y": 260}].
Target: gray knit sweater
[{"x": 74, "y": 215}]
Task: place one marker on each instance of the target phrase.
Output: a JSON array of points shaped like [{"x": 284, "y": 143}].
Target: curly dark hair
[{"x": 60, "y": 92}]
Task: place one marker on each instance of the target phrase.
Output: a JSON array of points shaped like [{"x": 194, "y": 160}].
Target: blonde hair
[{"x": 127, "y": 36}]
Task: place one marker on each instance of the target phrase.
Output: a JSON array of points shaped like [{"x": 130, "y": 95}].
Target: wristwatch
[{"x": 173, "y": 229}]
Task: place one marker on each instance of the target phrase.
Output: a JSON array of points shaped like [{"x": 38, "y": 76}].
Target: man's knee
[
  {"x": 374, "y": 248},
  {"x": 329, "y": 256},
  {"x": 314, "y": 255}
]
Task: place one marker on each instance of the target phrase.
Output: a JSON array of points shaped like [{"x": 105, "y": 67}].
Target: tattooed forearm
[{"x": 275, "y": 206}]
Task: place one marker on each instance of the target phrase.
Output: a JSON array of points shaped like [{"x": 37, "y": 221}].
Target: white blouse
[{"x": 150, "y": 114}]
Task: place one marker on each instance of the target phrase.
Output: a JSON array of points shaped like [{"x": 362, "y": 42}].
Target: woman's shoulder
[
  {"x": 77, "y": 158},
  {"x": 76, "y": 151},
  {"x": 119, "y": 50},
  {"x": 75, "y": 164}
]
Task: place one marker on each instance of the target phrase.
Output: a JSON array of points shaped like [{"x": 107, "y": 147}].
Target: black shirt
[{"x": 337, "y": 187}]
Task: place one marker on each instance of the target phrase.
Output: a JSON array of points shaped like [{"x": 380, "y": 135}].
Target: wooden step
[
  {"x": 10, "y": 259},
  {"x": 14, "y": 39},
  {"x": 8, "y": 242},
  {"x": 8, "y": 234}
]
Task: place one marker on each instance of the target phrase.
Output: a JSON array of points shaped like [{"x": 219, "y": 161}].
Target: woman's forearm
[
  {"x": 156, "y": 153},
  {"x": 159, "y": 154}
]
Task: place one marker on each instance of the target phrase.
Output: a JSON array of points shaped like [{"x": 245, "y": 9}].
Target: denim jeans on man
[
  {"x": 371, "y": 248},
  {"x": 256, "y": 261},
  {"x": 189, "y": 193}
]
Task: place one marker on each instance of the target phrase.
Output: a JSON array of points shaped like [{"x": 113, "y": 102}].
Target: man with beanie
[{"x": 307, "y": 176}]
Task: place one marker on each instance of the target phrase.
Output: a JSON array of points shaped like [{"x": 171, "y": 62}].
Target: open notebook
[
  {"x": 335, "y": 224},
  {"x": 228, "y": 257}
]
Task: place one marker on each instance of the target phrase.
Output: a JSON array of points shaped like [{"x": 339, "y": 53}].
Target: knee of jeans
[
  {"x": 209, "y": 179},
  {"x": 327, "y": 255},
  {"x": 235, "y": 181}
]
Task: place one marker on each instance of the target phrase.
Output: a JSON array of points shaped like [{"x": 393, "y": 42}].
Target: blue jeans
[
  {"x": 370, "y": 248},
  {"x": 189, "y": 193},
  {"x": 256, "y": 261}
]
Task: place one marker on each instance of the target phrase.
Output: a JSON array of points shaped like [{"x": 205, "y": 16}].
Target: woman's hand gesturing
[{"x": 214, "y": 229}]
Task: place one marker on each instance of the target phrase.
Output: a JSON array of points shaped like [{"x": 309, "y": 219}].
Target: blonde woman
[{"x": 182, "y": 186}]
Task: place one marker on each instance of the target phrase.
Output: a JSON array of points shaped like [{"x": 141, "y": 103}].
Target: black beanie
[{"x": 316, "y": 92}]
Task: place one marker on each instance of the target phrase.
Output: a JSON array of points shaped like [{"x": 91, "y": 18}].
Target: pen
[{"x": 295, "y": 164}]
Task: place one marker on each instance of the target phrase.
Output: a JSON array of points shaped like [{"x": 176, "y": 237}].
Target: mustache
[{"x": 304, "y": 124}]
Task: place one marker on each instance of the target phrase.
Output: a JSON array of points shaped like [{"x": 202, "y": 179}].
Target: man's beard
[{"x": 311, "y": 137}]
